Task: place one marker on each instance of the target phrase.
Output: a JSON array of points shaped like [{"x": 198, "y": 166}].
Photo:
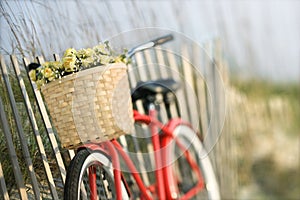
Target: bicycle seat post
[{"x": 156, "y": 147}]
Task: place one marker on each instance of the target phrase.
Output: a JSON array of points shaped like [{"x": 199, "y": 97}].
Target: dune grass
[{"x": 269, "y": 165}]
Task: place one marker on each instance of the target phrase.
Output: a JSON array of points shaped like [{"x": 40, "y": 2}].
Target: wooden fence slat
[
  {"x": 155, "y": 73},
  {"x": 208, "y": 79},
  {"x": 56, "y": 57},
  {"x": 12, "y": 153},
  {"x": 218, "y": 81},
  {"x": 210, "y": 103},
  {"x": 189, "y": 89},
  {"x": 160, "y": 57},
  {"x": 215, "y": 121},
  {"x": 131, "y": 75},
  {"x": 226, "y": 162},
  {"x": 151, "y": 65},
  {"x": 175, "y": 71},
  {"x": 200, "y": 89},
  {"x": 3, "y": 187},
  {"x": 20, "y": 131},
  {"x": 200, "y": 92},
  {"x": 166, "y": 73},
  {"x": 135, "y": 77},
  {"x": 140, "y": 75},
  {"x": 219, "y": 60},
  {"x": 215, "y": 87},
  {"x": 141, "y": 69},
  {"x": 34, "y": 126},
  {"x": 48, "y": 126}
]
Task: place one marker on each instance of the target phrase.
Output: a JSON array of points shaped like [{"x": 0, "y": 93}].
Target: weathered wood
[
  {"x": 207, "y": 94},
  {"x": 131, "y": 75},
  {"x": 211, "y": 138},
  {"x": 56, "y": 57},
  {"x": 227, "y": 161},
  {"x": 151, "y": 65},
  {"x": 154, "y": 69},
  {"x": 165, "y": 72},
  {"x": 176, "y": 73},
  {"x": 12, "y": 152},
  {"x": 142, "y": 73},
  {"x": 20, "y": 131},
  {"x": 188, "y": 73},
  {"x": 48, "y": 126},
  {"x": 160, "y": 59},
  {"x": 200, "y": 89},
  {"x": 3, "y": 187},
  {"x": 34, "y": 126},
  {"x": 139, "y": 73},
  {"x": 200, "y": 74}
]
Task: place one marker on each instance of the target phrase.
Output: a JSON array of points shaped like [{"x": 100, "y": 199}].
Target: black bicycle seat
[{"x": 162, "y": 86}]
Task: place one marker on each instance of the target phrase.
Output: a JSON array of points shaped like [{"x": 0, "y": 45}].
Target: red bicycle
[{"x": 182, "y": 169}]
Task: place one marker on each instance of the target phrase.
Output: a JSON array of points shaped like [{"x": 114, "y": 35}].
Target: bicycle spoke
[
  {"x": 190, "y": 172},
  {"x": 93, "y": 178}
]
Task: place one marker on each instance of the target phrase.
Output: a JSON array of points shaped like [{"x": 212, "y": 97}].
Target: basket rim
[{"x": 85, "y": 72}]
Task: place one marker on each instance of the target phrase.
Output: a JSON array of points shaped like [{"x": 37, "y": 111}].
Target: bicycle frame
[{"x": 159, "y": 141}]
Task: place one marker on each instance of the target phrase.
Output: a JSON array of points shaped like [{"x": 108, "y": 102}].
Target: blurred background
[{"x": 260, "y": 44}]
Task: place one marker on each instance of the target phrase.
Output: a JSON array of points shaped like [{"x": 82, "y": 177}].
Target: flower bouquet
[
  {"x": 87, "y": 94},
  {"x": 74, "y": 61}
]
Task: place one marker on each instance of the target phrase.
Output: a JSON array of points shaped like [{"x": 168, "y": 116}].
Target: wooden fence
[{"x": 36, "y": 168}]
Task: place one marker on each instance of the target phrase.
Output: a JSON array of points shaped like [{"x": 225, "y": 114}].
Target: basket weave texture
[{"x": 93, "y": 105}]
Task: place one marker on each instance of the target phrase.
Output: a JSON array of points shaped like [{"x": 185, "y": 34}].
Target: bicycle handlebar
[
  {"x": 150, "y": 44},
  {"x": 163, "y": 39}
]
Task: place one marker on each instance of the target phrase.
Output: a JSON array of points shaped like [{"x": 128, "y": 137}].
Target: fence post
[
  {"x": 12, "y": 153},
  {"x": 49, "y": 129},
  {"x": 34, "y": 126},
  {"x": 20, "y": 131},
  {"x": 3, "y": 188}
]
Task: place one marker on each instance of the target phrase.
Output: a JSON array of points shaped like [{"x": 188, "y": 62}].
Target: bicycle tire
[
  {"x": 179, "y": 171},
  {"x": 77, "y": 181}
]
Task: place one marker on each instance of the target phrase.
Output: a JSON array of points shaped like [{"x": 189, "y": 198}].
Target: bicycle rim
[
  {"x": 183, "y": 174},
  {"x": 90, "y": 176}
]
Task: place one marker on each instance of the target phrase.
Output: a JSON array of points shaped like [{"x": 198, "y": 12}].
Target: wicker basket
[{"x": 93, "y": 105}]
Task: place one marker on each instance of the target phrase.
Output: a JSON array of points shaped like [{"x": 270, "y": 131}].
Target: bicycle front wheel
[
  {"x": 189, "y": 169},
  {"x": 90, "y": 176}
]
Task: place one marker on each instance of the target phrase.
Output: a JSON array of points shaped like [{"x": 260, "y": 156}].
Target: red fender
[
  {"x": 166, "y": 139},
  {"x": 92, "y": 147}
]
